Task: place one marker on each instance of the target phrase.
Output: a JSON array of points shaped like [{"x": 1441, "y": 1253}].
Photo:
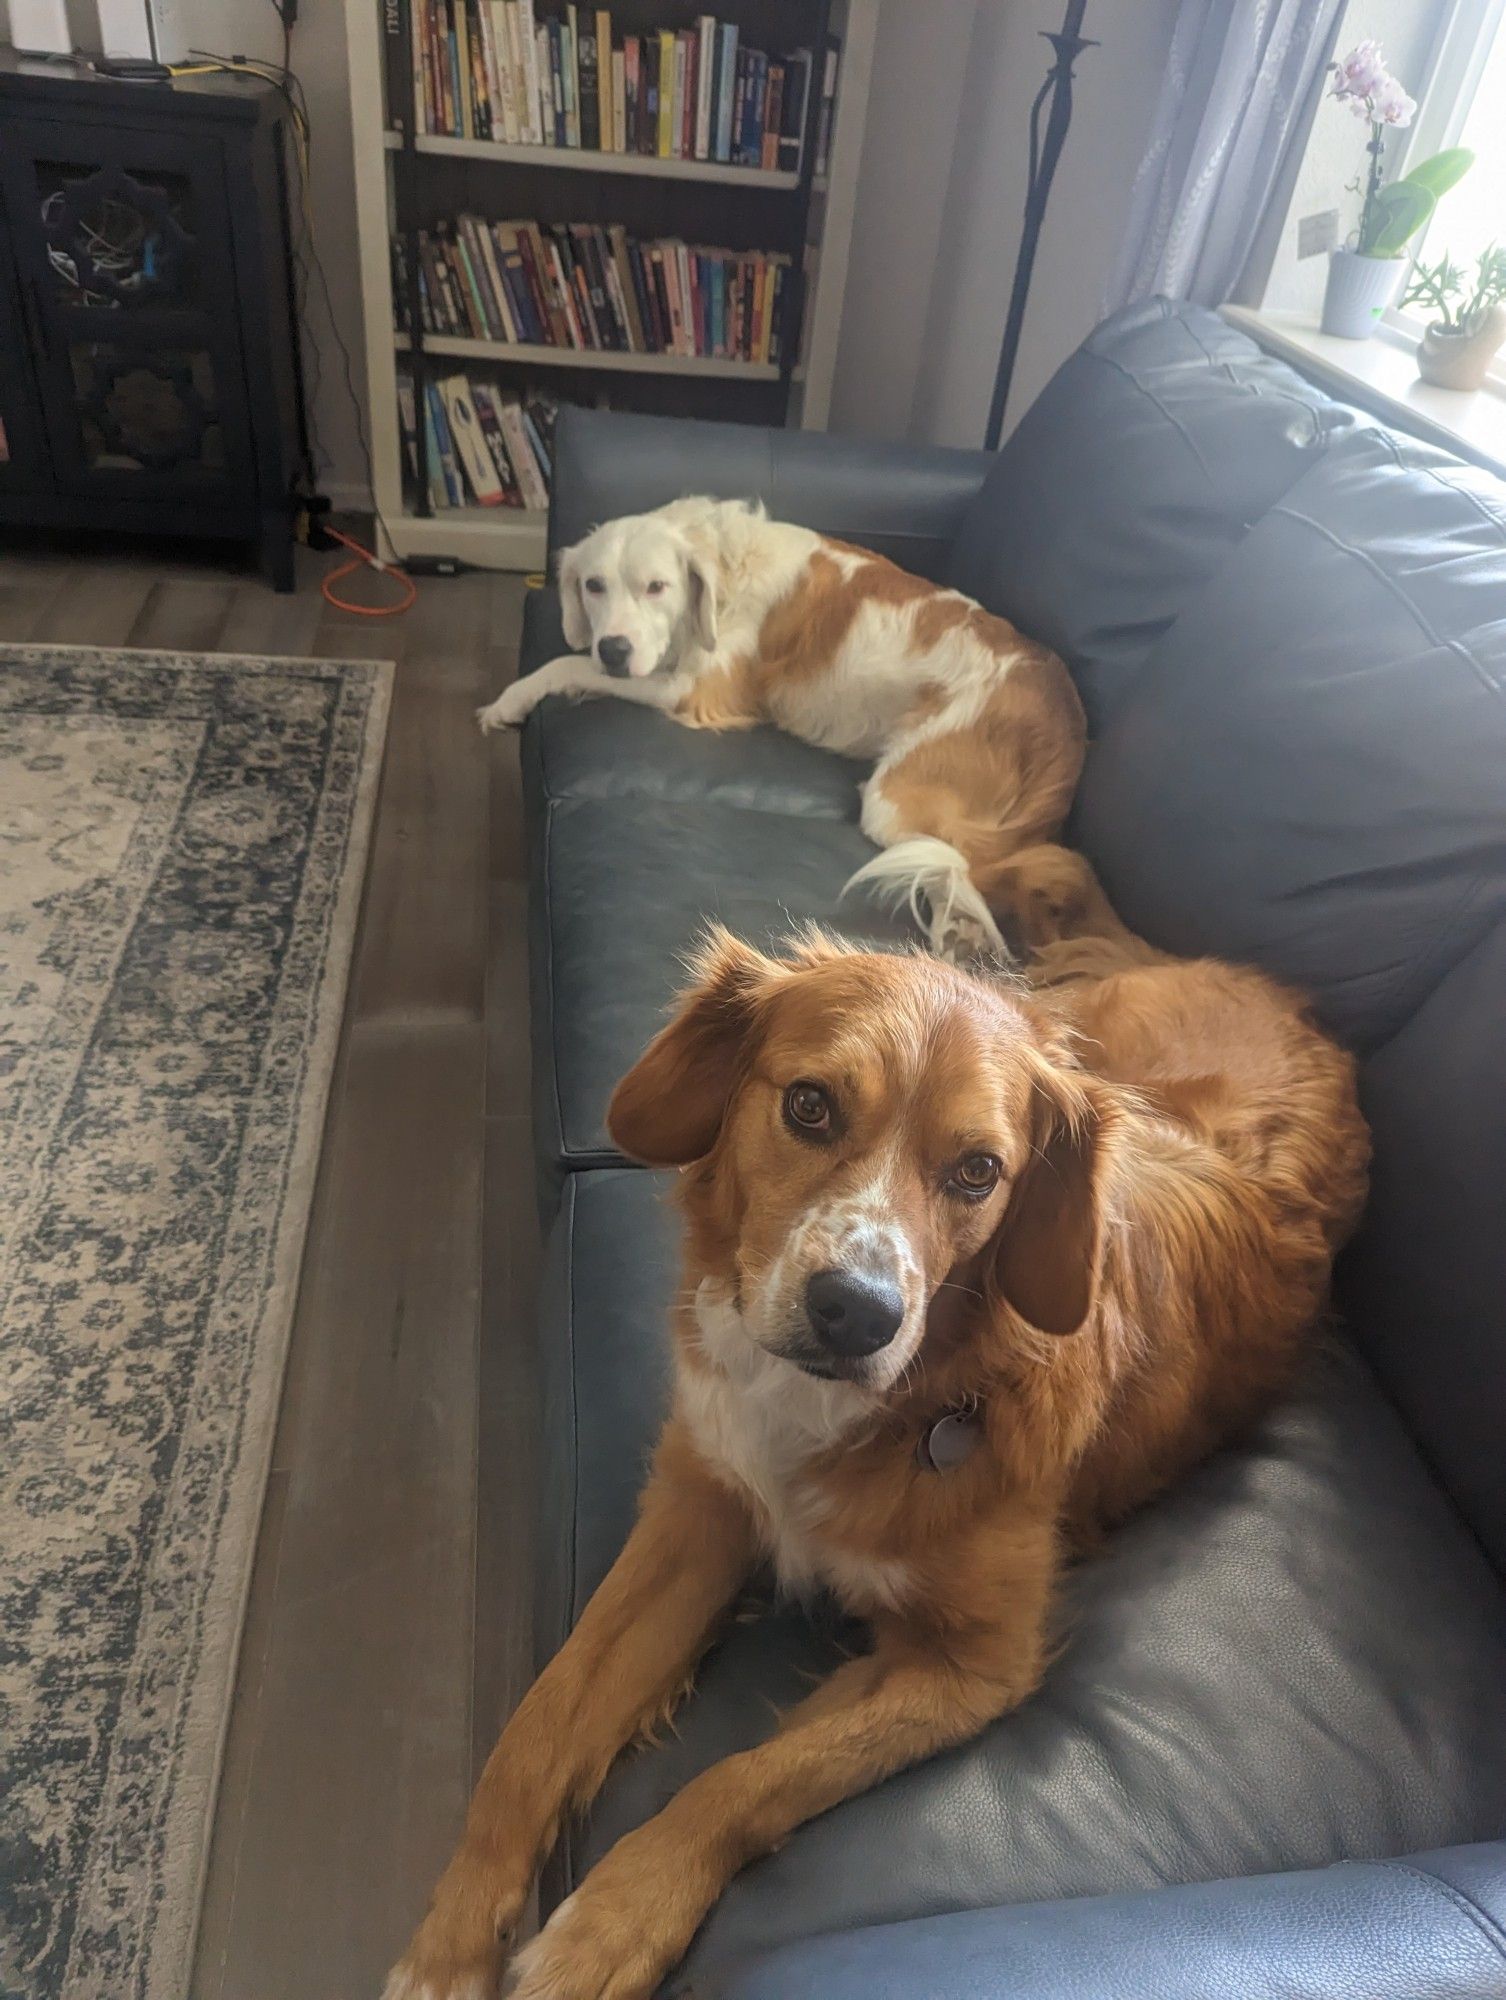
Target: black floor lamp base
[{"x": 1045, "y": 150}]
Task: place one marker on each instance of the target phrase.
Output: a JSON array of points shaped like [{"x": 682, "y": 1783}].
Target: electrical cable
[{"x": 362, "y": 558}]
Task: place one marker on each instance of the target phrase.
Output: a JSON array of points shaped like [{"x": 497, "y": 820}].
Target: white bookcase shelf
[
  {"x": 600, "y": 360},
  {"x": 511, "y": 538},
  {"x": 569, "y": 159}
]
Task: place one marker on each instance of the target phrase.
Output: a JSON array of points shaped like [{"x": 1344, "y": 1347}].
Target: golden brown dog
[{"x": 969, "y": 1271}]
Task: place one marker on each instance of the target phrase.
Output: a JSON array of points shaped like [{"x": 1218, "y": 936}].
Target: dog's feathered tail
[{"x": 930, "y": 878}]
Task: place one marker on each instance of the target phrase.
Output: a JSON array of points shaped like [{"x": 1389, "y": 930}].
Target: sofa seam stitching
[
  {"x": 1108, "y": 361},
  {"x": 1479, "y": 1917},
  {"x": 554, "y": 1046},
  {"x": 1288, "y": 512}
]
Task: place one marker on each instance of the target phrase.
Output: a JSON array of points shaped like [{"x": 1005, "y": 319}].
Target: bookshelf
[{"x": 410, "y": 179}]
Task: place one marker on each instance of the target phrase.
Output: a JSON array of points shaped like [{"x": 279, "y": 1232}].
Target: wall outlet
[{"x": 1317, "y": 233}]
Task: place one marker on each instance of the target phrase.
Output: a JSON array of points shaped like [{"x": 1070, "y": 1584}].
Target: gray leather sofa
[{"x": 1271, "y": 1758}]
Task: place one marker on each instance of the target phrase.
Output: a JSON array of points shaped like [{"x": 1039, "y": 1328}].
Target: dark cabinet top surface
[{"x": 216, "y": 98}]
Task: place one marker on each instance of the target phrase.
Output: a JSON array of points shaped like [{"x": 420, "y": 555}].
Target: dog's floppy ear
[
  {"x": 668, "y": 1109},
  {"x": 700, "y": 581},
  {"x": 573, "y": 602},
  {"x": 1049, "y": 1246}
]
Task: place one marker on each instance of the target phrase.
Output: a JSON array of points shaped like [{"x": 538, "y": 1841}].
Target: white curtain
[{"x": 1238, "y": 80}]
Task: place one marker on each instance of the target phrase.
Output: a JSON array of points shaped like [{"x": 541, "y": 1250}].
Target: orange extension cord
[{"x": 363, "y": 558}]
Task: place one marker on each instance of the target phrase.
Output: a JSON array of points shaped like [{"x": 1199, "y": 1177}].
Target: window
[{"x": 1465, "y": 105}]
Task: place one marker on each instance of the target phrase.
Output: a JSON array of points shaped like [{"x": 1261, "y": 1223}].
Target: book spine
[
  {"x": 667, "y": 49},
  {"x": 557, "y": 79},
  {"x": 570, "y": 72},
  {"x": 530, "y": 479},
  {"x": 520, "y": 15},
  {"x": 438, "y": 495},
  {"x": 515, "y": 278},
  {"x": 797, "y": 104},
  {"x": 491, "y": 429},
  {"x": 647, "y": 317},
  {"x": 758, "y": 77},
  {"x": 773, "y": 118},
  {"x": 534, "y": 278},
  {"x": 463, "y": 81},
  {"x": 686, "y": 128},
  {"x": 687, "y": 298},
  {"x": 407, "y": 413},
  {"x": 631, "y": 79},
  {"x": 619, "y": 101},
  {"x": 739, "y": 106},
  {"x": 607, "y": 116},
  {"x": 562, "y": 271},
  {"x": 651, "y": 60},
  {"x": 493, "y": 265},
  {"x": 541, "y": 455},
  {"x": 705, "y": 84},
  {"x": 499, "y": 73},
  {"x": 397, "y": 64},
  {"x": 726, "y": 88},
  {"x": 827, "y": 115},
  {"x": 450, "y": 470},
  {"x": 485, "y": 115},
  {"x": 590, "y": 86},
  {"x": 418, "y": 28},
  {"x": 471, "y": 451},
  {"x": 601, "y": 301}
]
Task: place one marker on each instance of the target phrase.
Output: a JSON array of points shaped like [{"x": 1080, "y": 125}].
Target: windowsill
[{"x": 1380, "y": 375}]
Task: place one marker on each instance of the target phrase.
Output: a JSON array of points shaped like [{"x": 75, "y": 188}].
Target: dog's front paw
[
  {"x": 460, "y": 1948},
  {"x": 510, "y": 710},
  {"x": 614, "y": 1939}
]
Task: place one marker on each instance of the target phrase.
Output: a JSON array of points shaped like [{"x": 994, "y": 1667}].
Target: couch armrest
[
  {"x": 905, "y": 501},
  {"x": 1431, "y": 1927}
]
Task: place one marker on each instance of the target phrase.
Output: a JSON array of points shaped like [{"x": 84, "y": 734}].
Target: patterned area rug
[{"x": 182, "y": 843}]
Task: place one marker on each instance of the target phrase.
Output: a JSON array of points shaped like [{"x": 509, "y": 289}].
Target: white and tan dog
[{"x": 723, "y": 618}]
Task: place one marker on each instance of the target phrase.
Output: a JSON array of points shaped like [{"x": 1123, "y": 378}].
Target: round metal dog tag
[{"x": 949, "y": 1441}]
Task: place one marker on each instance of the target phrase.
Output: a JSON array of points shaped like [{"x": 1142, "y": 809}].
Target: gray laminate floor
[{"x": 387, "y": 1630}]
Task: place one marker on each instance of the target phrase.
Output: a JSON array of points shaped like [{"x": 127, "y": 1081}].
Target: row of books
[
  {"x": 581, "y": 285},
  {"x": 482, "y": 446},
  {"x": 487, "y": 69}
]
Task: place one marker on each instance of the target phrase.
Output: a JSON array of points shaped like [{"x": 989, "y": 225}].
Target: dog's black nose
[
  {"x": 852, "y": 1314},
  {"x": 614, "y": 653}
]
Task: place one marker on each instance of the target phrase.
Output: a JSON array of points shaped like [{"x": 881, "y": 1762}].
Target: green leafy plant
[
  {"x": 1459, "y": 302},
  {"x": 1393, "y": 212}
]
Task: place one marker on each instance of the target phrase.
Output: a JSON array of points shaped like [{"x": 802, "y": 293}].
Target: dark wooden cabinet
[{"x": 149, "y": 367}]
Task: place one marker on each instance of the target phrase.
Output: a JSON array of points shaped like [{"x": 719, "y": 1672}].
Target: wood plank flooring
[{"x": 387, "y": 1632}]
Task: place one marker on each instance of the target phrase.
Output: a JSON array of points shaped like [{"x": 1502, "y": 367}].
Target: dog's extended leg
[
  {"x": 636, "y": 1912},
  {"x": 574, "y": 674},
  {"x": 623, "y": 1667}
]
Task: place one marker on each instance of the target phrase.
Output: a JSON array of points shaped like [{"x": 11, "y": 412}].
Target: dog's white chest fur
[{"x": 759, "y": 1422}]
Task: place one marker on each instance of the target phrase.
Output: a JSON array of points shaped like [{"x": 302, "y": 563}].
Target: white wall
[
  {"x": 940, "y": 199},
  {"x": 250, "y": 27}
]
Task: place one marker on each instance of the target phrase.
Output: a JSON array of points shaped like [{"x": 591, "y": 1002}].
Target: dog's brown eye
[
  {"x": 596, "y": 585},
  {"x": 657, "y": 588},
  {"x": 808, "y": 1106},
  {"x": 977, "y": 1173}
]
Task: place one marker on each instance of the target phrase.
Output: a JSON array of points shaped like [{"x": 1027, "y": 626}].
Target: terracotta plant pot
[
  {"x": 1460, "y": 360},
  {"x": 1359, "y": 290}
]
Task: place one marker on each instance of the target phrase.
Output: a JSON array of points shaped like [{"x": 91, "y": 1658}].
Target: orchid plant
[{"x": 1393, "y": 212}]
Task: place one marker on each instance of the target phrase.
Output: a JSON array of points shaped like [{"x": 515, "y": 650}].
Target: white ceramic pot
[{"x": 1359, "y": 290}]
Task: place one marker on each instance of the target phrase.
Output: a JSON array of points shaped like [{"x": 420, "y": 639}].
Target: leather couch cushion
[
  {"x": 1429, "y": 1927},
  {"x": 1311, "y": 772},
  {"x": 1142, "y": 464},
  {"x": 1297, "y": 1656},
  {"x": 1426, "y": 1278},
  {"x": 609, "y": 749},
  {"x": 621, "y": 889}
]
